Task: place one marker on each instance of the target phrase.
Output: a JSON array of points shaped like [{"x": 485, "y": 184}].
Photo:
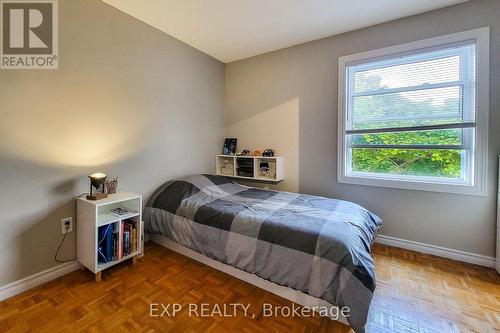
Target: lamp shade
[
  {"x": 97, "y": 175},
  {"x": 97, "y": 178}
]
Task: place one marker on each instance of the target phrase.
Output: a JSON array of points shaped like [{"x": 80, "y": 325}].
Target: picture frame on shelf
[{"x": 229, "y": 147}]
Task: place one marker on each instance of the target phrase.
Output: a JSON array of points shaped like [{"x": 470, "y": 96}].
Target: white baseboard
[
  {"x": 34, "y": 280},
  {"x": 439, "y": 251}
]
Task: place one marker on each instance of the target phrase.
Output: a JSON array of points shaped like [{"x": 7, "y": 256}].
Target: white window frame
[{"x": 479, "y": 150}]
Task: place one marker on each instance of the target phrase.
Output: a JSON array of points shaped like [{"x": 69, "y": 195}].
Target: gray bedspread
[{"x": 317, "y": 245}]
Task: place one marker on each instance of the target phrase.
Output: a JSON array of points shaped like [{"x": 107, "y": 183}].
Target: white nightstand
[{"x": 95, "y": 221}]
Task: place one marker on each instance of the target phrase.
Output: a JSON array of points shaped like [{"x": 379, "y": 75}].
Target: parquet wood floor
[{"x": 415, "y": 293}]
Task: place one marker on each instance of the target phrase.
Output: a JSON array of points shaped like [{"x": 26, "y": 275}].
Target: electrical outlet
[{"x": 66, "y": 222}]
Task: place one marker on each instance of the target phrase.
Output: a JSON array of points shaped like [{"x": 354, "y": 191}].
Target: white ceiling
[{"x": 230, "y": 30}]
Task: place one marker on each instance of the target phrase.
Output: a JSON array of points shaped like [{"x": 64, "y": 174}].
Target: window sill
[{"x": 429, "y": 184}]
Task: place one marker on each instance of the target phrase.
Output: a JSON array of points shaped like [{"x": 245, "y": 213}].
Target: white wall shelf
[
  {"x": 95, "y": 214},
  {"x": 233, "y": 166}
]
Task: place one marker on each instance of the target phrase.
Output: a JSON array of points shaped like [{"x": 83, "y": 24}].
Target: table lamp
[{"x": 97, "y": 188}]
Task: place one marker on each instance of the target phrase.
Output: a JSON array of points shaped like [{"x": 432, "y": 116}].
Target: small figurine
[
  {"x": 264, "y": 168},
  {"x": 257, "y": 153},
  {"x": 268, "y": 153},
  {"x": 245, "y": 152}
]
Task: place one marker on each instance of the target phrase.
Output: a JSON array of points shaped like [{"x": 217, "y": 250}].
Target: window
[{"x": 415, "y": 115}]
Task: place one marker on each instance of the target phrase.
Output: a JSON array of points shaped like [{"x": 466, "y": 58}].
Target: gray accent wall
[
  {"x": 127, "y": 100},
  {"x": 300, "y": 83}
]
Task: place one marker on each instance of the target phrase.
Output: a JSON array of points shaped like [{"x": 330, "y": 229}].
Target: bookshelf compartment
[
  {"x": 225, "y": 166},
  {"x": 265, "y": 169},
  {"x": 118, "y": 240},
  {"x": 245, "y": 167},
  {"x": 105, "y": 214}
]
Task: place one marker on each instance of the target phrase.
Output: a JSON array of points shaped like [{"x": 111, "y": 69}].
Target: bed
[{"x": 305, "y": 248}]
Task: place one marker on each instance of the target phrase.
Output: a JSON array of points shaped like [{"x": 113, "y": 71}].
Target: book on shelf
[
  {"x": 115, "y": 244},
  {"x": 116, "y": 248},
  {"x": 105, "y": 244},
  {"x": 134, "y": 239},
  {"x": 126, "y": 238},
  {"x": 120, "y": 244}
]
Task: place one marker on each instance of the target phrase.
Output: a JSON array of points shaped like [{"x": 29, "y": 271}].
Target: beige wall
[
  {"x": 127, "y": 100},
  {"x": 276, "y": 128},
  {"x": 303, "y": 80}
]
